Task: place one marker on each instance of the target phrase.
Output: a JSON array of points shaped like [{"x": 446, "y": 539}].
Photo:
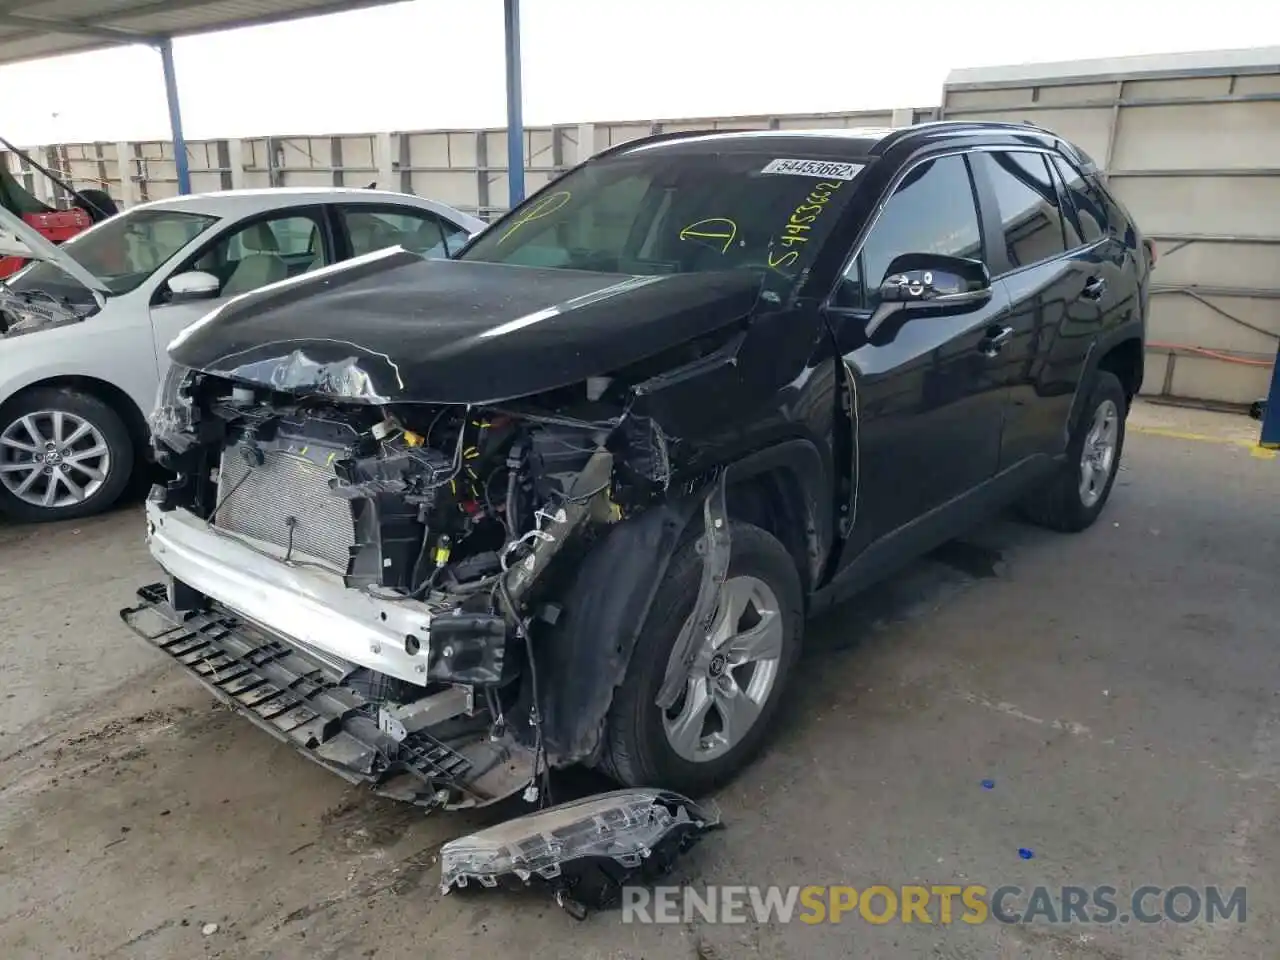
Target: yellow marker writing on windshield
[
  {"x": 713, "y": 228},
  {"x": 547, "y": 205}
]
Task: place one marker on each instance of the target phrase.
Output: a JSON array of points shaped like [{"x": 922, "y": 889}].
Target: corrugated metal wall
[
  {"x": 1196, "y": 159},
  {"x": 1191, "y": 144}
]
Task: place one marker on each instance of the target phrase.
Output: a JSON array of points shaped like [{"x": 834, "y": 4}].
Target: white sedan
[{"x": 84, "y": 328}]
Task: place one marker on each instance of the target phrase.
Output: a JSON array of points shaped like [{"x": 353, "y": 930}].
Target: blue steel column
[
  {"x": 515, "y": 117},
  {"x": 1271, "y": 413},
  {"x": 165, "y": 46}
]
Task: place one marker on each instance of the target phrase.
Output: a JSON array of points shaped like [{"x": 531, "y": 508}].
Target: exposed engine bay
[
  {"x": 395, "y": 561},
  {"x": 31, "y": 310}
]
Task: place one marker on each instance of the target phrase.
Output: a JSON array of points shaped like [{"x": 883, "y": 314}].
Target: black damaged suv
[{"x": 570, "y": 496}]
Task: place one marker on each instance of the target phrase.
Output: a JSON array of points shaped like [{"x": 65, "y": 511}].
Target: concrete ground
[{"x": 1121, "y": 688}]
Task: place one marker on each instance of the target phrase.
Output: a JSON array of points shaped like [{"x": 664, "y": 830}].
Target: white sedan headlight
[{"x": 171, "y": 420}]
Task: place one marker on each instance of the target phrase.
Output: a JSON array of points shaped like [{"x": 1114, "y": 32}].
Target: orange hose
[{"x": 1208, "y": 353}]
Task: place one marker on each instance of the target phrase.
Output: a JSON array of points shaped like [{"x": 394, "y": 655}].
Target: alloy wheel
[
  {"x": 732, "y": 675},
  {"x": 1098, "y": 456},
  {"x": 53, "y": 458}
]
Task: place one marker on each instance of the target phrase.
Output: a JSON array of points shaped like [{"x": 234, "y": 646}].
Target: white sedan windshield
[{"x": 123, "y": 251}]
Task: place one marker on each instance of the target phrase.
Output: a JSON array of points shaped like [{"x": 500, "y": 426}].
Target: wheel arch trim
[
  {"x": 611, "y": 595},
  {"x": 115, "y": 397}
]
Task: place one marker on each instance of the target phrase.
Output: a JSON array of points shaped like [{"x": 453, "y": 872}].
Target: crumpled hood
[{"x": 394, "y": 327}]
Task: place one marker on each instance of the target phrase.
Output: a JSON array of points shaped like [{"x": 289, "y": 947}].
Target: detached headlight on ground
[{"x": 585, "y": 850}]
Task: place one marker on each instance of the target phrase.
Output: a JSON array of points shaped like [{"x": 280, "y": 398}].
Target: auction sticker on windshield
[{"x": 827, "y": 169}]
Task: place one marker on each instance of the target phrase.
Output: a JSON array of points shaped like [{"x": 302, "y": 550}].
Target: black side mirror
[{"x": 931, "y": 284}]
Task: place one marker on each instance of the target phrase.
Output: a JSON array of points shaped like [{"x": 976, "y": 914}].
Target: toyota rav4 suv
[{"x": 570, "y": 495}]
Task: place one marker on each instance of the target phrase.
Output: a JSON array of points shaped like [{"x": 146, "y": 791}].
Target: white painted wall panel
[
  {"x": 426, "y": 149},
  {"x": 1231, "y": 136},
  {"x": 1198, "y": 205},
  {"x": 1253, "y": 265},
  {"x": 1216, "y": 141},
  {"x": 1210, "y": 379},
  {"x": 1184, "y": 319}
]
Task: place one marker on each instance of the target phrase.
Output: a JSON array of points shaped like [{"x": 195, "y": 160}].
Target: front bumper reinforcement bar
[{"x": 297, "y": 699}]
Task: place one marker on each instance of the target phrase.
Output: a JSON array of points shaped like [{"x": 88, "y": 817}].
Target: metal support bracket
[
  {"x": 714, "y": 545},
  {"x": 399, "y": 720}
]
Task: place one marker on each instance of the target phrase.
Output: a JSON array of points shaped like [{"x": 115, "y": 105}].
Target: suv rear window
[
  {"x": 1089, "y": 209},
  {"x": 1028, "y": 202},
  {"x": 667, "y": 211}
]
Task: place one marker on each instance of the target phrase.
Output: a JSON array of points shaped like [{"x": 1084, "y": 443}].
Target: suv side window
[
  {"x": 1070, "y": 228},
  {"x": 1089, "y": 210},
  {"x": 932, "y": 211},
  {"x": 419, "y": 231},
  {"x": 1028, "y": 205}
]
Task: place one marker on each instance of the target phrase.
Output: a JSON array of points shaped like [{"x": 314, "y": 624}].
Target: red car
[{"x": 89, "y": 206}]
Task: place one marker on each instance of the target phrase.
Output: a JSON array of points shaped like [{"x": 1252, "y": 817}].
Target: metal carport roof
[
  {"x": 31, "y": 29},
  {"x": 35, "y": 29}
]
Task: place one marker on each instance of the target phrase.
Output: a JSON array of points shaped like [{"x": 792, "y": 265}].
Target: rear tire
[
  {"x": 66, "y": 440},
  {"x": 640, "y": 736},
  {"x": 1074, "y": 497}
]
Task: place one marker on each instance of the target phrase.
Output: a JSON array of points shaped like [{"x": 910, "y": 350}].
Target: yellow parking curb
[{"x": 1259, "y": 452}]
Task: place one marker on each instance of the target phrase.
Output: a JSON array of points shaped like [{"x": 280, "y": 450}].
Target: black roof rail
[
  {"x": 958, "y": 127},
  {"x": 664, "y": 136}
]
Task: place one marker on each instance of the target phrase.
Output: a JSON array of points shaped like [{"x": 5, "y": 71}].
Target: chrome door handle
[{"x": 995, "y": 340}]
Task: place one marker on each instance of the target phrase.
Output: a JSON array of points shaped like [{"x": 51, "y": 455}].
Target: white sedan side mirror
[{"x": 192, "y": 285}]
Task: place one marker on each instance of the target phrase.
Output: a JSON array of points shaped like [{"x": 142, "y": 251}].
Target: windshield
[
  {"x": 668, "y": 211},
  {"x": 123, "y": 251}
]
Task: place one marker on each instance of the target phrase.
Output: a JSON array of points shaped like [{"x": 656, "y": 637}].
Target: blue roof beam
[
  {"x": 515, "y": 113},
  {"x": 165, "y": 46}
]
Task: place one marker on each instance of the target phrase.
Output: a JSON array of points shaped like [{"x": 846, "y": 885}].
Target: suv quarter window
[
  {"x": 931, "y": 210},
  {"x": 1028, "y": 205},
  {"x": 1089, "y": 210},
  {"x": 1070, "y": 226}
]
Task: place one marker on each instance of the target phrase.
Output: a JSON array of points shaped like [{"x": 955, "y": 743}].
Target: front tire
[
  {"x": 63, "y": 455},
  {"x": 1073, "y": 499},
  {"x": 734, "y": 688}
]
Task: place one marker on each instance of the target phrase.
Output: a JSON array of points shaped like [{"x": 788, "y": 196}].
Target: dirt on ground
[{"x": 1019, "y": 708}]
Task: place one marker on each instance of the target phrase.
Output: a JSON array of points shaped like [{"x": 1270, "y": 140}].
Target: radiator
[{"x": 260, "y": 504}]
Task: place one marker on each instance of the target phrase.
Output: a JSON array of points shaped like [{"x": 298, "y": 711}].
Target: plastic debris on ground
[{"x": 583, "y": 852}]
